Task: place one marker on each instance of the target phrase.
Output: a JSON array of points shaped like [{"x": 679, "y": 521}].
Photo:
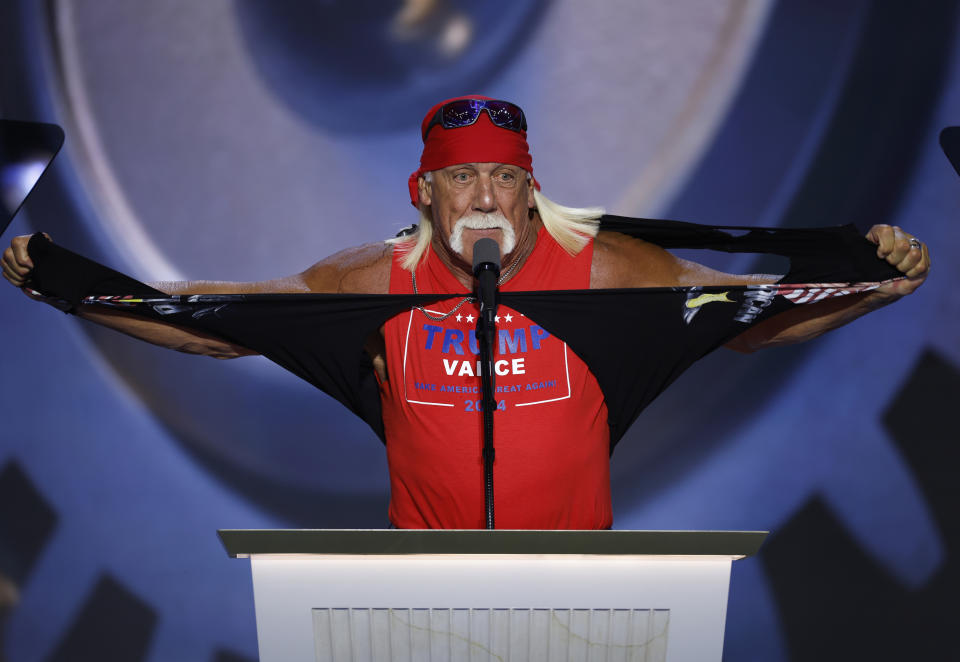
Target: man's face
[{"x": 466, "y": 196}]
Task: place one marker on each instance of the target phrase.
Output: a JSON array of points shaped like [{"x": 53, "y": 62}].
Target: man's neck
[{"x": 512, "y": 261}]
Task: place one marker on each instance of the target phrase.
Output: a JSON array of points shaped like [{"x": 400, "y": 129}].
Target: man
[{"x": 476, "y": 181}]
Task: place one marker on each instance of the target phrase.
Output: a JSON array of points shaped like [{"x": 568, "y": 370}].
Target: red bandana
[{"x": 481, "y": 142}]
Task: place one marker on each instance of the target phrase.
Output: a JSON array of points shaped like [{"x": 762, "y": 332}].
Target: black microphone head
[{"x": 486, "y": 251}]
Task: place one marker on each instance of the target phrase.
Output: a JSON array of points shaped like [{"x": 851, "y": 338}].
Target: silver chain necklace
[{"x": 439, "y": 318}]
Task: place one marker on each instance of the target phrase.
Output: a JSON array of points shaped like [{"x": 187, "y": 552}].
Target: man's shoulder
[
  {"x": 623, "y": 261},
  {"x": 358, "y": 270}
]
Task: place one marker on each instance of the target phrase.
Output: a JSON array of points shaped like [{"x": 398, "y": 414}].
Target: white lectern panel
[
  {"x": 482, "y": 635},
  {"x": 481, "y": 607}
]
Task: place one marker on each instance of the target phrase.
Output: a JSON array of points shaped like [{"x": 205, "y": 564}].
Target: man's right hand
[{"x": 17, "y": 264}]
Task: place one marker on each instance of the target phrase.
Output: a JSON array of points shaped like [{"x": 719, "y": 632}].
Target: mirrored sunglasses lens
[
  {"x": 506, "y": 115},
  {"x": 460, "y": 113}
]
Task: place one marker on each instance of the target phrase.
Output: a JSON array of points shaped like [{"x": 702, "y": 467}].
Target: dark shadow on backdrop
[
  {"x": 26, "y": 149},
  {"x": 858, "y": 173},
  {"x": 835, "y": 601}
]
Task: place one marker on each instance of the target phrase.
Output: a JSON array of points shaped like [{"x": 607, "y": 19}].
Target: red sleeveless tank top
[{"x": 552, "y": 468}]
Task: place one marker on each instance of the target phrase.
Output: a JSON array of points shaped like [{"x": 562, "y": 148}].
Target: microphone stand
[{"x": 486, "y": 267}]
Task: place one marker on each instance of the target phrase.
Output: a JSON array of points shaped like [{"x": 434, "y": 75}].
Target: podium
[{"x": 466, "y": 596}]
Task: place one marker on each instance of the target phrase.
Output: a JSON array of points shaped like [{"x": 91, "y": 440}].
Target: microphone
[{"x": 486, "y": 268}]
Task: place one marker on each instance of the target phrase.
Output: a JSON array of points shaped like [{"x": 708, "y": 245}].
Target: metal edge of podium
[{"x": 245, "y": 542}]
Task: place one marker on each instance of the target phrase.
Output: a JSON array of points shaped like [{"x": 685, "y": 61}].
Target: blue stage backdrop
[{"x": 245, "y": 140}]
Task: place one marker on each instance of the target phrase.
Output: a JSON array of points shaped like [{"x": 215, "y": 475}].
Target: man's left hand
[{"x": 904, "y": 251}]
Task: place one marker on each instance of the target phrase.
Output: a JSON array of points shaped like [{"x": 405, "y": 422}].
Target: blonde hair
[{"x": 571, "y": 227}]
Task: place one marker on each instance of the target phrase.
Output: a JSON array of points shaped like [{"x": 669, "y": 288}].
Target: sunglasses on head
[{"x": 465, "y": 112}]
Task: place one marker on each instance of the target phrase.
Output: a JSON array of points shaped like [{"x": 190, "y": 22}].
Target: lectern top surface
[{"x": 245, "y": 542}]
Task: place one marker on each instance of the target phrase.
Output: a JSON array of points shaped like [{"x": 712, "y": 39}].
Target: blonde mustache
[{"x": 484, "y": 222}]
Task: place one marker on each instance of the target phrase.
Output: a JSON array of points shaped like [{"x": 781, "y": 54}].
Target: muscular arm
[
  {"x": 805, "y": 322},
  {"x": 811, "y": 320},
  {"x": 165, "y": 335},
  {"x": 363, "y": 269},
  {"x": 621, "y": 261}
]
